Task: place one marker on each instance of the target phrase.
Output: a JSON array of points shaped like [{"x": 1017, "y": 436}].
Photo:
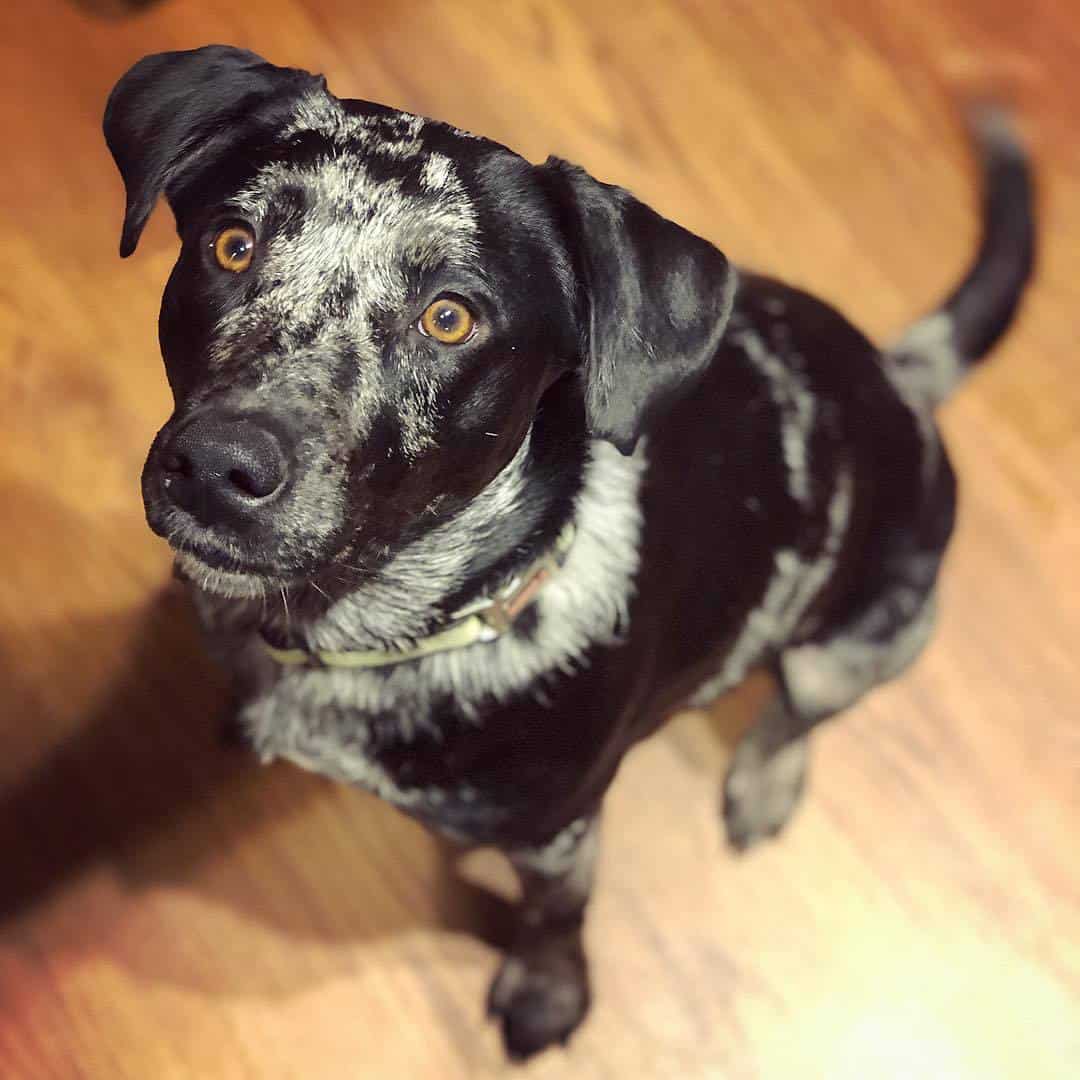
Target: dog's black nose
[{"x": 222, "y": 471}]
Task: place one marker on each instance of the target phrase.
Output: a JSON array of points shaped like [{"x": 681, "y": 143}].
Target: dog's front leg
[{"x": 541, "y": 992}]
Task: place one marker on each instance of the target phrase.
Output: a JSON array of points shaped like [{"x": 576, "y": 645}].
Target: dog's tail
[{"x": 935, "y": 354}]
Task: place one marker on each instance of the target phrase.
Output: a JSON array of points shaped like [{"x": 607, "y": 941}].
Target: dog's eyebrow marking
[{"x": 796, "y": 404}]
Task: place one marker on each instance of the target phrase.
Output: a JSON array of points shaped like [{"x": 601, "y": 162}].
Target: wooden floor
[{"x": 168, "y": 909}]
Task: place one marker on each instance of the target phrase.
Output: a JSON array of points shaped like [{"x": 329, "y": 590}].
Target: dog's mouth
[
  {"x": 215, "y": 565},
  {"x": 226, "y": 568},
  {"x": 223, "y": 576}
]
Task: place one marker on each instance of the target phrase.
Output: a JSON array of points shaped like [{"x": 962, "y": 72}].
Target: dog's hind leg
[
  {"x": 541, "y": 991},
  {"x": 819, "y": 679},
  {"x": 766, "y": 776}
]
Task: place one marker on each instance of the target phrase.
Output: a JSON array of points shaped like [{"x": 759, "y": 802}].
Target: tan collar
[{"x": 483, "y": 620}]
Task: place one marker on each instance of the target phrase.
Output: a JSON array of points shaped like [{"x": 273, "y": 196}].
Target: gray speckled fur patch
[{"x": 795, "y": 402}]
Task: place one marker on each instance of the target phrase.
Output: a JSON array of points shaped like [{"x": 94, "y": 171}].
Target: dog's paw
[
  {"x": 539, "y": 1001},
  {"x": 761, "y": 792}
]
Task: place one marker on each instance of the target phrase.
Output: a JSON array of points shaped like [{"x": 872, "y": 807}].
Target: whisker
[{"x": 285, "y": 605}]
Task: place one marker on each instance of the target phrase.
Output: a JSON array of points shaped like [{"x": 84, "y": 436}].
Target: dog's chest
[{"x": 400, "y": 753}]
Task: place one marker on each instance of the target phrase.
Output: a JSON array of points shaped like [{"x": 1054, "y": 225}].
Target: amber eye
[
  {"x": 234, "y": 248},
  {"x": 448, "y": 321}
]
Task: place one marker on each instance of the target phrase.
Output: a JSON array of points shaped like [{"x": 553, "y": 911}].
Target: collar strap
[{"x": 483, "y": 620}]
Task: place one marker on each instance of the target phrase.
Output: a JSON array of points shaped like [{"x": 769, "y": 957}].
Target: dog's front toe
[
  {"x": 539, "y": 1002},
  {"x": 761, "y": 791}
]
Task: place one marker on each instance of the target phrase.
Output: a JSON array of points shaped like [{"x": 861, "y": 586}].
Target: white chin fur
[{"x": 223, "y": 582}]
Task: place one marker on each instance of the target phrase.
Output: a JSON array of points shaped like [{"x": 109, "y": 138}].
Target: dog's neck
[
  {"x": 467, "y": 556},
  {"x": 585, "y": 605}
]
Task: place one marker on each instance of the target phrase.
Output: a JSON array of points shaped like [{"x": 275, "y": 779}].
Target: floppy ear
[
  {"x": 166, "y": 115},
  {"x": 656, "y": 297}
]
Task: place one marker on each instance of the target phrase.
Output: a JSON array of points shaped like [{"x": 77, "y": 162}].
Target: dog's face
[
  {"x": 370, "y": 299},
  {"x": 368, "y": 308}
]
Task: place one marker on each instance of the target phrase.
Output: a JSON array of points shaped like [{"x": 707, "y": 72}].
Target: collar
[{"x": 485, "y": 619}]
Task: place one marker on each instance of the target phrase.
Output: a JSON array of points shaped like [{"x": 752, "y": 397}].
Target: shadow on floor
[{"x": 147, "y": 790}]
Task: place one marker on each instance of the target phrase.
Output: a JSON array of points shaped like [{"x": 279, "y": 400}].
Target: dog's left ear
[
  {"x": 167, "y": 115},
  {"x": 656, "y": 300}
]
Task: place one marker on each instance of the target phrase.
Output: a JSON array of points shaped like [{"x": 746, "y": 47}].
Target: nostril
[{"x": 253, "y": 484}]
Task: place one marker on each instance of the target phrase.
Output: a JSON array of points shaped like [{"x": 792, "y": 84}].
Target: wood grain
[{"x": 171, "y": 910}]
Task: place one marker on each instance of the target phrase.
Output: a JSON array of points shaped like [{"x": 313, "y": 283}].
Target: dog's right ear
[
  {"x": 168, "y": 113},
  {"x": 656, "y": 301}
]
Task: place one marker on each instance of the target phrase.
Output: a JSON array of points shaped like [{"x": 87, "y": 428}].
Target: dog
[{"x": 479, "y": 469}]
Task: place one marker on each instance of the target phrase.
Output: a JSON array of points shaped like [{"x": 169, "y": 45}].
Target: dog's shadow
[{"x": 147, "y": 790}]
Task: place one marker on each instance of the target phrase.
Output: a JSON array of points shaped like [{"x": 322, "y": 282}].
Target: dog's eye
[
  {"x": 234, "y": 248},
  {"x": 448, "y": 321}
]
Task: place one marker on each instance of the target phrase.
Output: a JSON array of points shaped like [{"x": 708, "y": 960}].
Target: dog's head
[{"x": 368, "y": 308}]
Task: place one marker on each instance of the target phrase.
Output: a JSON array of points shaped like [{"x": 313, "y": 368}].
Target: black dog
[{"x": 479, "y": 468}]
